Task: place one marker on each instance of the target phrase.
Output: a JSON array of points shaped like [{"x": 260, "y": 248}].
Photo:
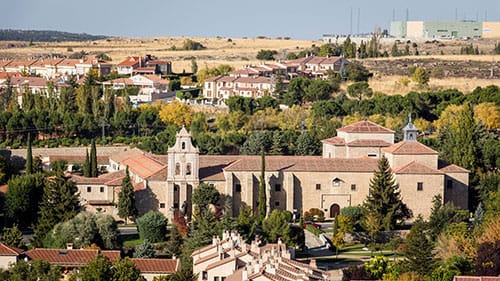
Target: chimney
[
  {"x": 69, "y": 246},
  {"x": 214, "y": 240},
  {"x": 244, "y": 274},
  {"x": 312, "y": 264}
]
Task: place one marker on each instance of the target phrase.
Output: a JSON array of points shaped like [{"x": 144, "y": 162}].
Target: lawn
[{"x": 130, "y": 240}]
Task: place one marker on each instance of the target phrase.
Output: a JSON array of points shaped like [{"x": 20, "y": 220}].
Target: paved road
[{"x": 127, "y": 230}]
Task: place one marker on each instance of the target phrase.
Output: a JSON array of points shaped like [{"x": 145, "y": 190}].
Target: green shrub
[{"x": 152, "y": 226}]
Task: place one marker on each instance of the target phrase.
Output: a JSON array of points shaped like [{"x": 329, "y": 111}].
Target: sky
[{"x": 233, "y": 18}]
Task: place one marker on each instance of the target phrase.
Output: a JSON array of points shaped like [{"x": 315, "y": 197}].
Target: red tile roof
[
  {"x": 416, "y": 168},
  {"x": 211, "y": 166},
  {"x": 69, "y": 257},
  {"x": 368, "y": 143},
  {"x": 21, "y": 63},
  {"x": 45, "y": 62},
  {"x": 160, "y": 266},
  {"x": 450, "y": 168},
  {"x": 304, "y": 164},
  {"x": 68, "y": 63},
  {"x": 126, "y": 155},
  {"x": 131, "y": 61},
  {"x": 4, "y": 74},
  {"x": 330, "y": 60},
  {"x": 107, "y": 179},
  {"x": 365, "y": 127},
  {"x": 30, "y": 81},
  {"x": 335, "y": 141},
  {"x": 4, "y": 63},
  {"x": 6, "y": 250},
  {"x": 143, "y": 166},
  {"x": 410, "y": 148}
]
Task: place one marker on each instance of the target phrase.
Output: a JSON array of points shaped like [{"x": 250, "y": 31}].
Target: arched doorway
[{"x": 334, "y": 210}]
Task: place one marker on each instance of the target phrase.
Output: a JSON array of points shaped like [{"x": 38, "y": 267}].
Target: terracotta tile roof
[
  {"x": 161, "y": 175},
  {"x": 330, "y": 60},
  {"x": 416, "y": 168},
  {"x": 125, "y": 81},
  {"x": 68, "y": 63},
  {"x": 315, "y": 60},
  {"x": 164, "y": 266},
  {"x": 47, "y": 62},
  {"x": 213, "y": 79},
  {"x": 69, "y": 257},
  {"x": 450, "y": 168},
  {"x": 4, "y": 63},
  {"x": 247, "y": 71},
  {"x": 304, "y": 164},
  {"x": 365, "y": 127},
  {"x": 148, "y": 69},
  {"x": 225, "y": 261},
  {"x": 20, "y": 63},
  {"x": 226, "y": 79},
  {"x": 155, "y": 78},
  {"x": 99, "y": 202},
  {"x": 410, "y": 148},
  {"x": 131, "y": 61},
  {"x": 102, "y": 179},
  {"x": 369, "y": 143},
  {"x": 143, "y": 166},
  {"x": 6, "y": 250},
  {"x": 254, "y": 80},
  {"x": 139, "y": 186},
  {"x": 30, "y": 81},
  {"x": 71, "y": 159},
  {"x": 125, "y": 155},
  {"x": 211, "y": 166},
  {"x": 155, "y": 62},
  {"x": 5, "y": 74},
  {"x": 334, "y": 141}
]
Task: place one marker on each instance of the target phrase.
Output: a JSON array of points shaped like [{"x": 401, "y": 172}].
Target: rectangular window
[
  {"x": 89, "y": 189},
  {"x": 449, "y": 184},
  {"x": 318, "y": 186},
  {"x": 353, "y": 187},
  {"x": 237, "y": 187},
  {"x": 162, "y": 205},
  {"x": 276, "y": 203},
  {"x": 372, "y": 155},
  {"x": 176, "y": 205},
  {"x": 420, "y": 186},
  {"x": 101, "y": 189},
  {"x": 216, "y": 278},
  {"x": 277, "y": 187},
  {"x": 204, "y": 275}
]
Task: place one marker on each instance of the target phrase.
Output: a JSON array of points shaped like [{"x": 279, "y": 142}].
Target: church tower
[
  {"x": 410, "y": 131},
  {"x": 183, "y": 169}
]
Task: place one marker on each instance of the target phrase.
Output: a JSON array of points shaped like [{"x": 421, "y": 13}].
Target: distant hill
[{"x": 45, "y": 36}]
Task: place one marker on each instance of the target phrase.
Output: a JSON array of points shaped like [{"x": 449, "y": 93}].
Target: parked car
[{"x": 315, "y": 225}]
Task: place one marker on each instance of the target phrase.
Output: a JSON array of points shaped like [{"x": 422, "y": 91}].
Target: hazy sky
[{"x": 232, "y": 18}]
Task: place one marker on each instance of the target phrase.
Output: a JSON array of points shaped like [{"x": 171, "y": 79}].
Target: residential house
[
  {"x": 156, "y": 268},
  {"x": 163, "y": 67},
  {"x": 8, "y": 255},
  {"x": 19, "y": 66},
  {"x": 151, "y": 87},
  {"x": 232, "y": 259},
  {"x": 128, "y": 65}
]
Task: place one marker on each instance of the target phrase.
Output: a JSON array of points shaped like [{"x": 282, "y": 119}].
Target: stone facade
[{"x": 339, "y": 178}]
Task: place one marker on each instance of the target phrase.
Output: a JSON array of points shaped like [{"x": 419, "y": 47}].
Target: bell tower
[
  {"x": 183, "y": 173},
  {"x": 410, "y": 131}
]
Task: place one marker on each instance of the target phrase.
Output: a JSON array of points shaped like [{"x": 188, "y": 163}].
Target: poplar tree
[
  {"x": 262, "y": 188},
  {"x": 384, "y": 199},
  {"x": 93, "y": 160},
  {"x": 29, "y": 157},
  {"x": 126, "y": 200}
]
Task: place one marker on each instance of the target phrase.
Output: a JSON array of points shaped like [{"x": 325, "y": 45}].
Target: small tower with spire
[{"x": 410, "y": 131}]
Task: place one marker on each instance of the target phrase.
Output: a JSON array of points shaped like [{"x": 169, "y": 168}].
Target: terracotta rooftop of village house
[
  {"x": 304, "y": 164},
  {"x": 211, "y": 166},
  {"x": 125, "y": 155},
  {"x": 108, "y": 178},
  {"x": 335, "y": 141},
  {"x": 143, "y": 165},
  {"x": 450, "y": 168},
  {"x": 6, "y": 250},
  {"x": 130, "y": 61},
  {"x": 69, "y": 257},
  {"x": 364, "y": 143},
  {"x": 410, "y": 148},
  {"x": 365, "y": 127},
  {"x": 157, "y": 265}
]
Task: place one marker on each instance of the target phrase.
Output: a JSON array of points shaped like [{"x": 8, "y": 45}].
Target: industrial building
[{"x": 444, "y": 30}]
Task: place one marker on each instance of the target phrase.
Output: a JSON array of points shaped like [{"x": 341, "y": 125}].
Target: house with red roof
[
  {"x": 8, "y": 255},
  {"x": 128, "y": 65}
]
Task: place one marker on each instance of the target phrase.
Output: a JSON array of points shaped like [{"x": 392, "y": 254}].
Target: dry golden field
[{"x": 242, "y": 51}]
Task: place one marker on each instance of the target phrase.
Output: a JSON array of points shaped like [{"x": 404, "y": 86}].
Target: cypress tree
[
  {"x": 126, "y": 200},
  {"x": 262, "y": 188},
  {"x": 29, "y": 157},
  {"x": 86, "y": 165},
  {"x": 93, "y": 160},
  {"x": 384, "y": 199}
]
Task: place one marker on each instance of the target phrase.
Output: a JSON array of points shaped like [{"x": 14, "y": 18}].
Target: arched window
[
  {"x": 177, "y": 168},
  {"x": 183, "y": 145},
  {"x": 188, "y": 169}
]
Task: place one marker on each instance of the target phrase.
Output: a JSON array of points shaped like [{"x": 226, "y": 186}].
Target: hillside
[{"x": 45, "y": 36}]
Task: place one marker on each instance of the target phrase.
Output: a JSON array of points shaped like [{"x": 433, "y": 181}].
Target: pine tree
[
  {"x": 174, "y": 246},
  {"x": 262, "y": 206},
  {"x": 145, "y": 250},
  {"x": 384, "y": 199},
  {"x": 86, "y": 165},
  {"x": 13, "y": 237},
  {"x": 60, "y": 202},
  {"x": 29, "y": 157},
  {"x": 419, "y": 246},
  {"x": 93, "y": 160},
  {"x": 126, "y": 200}
]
